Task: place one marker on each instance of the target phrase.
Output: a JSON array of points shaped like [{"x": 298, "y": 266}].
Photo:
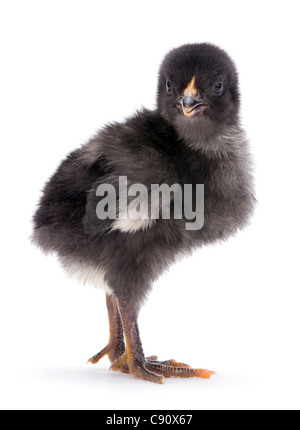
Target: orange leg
[
  {"x": 131, "y": 359},
  {"x": 116, "y": 345},
  {"x": 148, "y": 369}
]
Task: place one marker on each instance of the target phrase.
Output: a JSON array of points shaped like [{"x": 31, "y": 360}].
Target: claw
[{"x": 204, "y": 374}]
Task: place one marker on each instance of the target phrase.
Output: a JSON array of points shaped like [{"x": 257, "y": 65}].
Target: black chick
[{"x": 192, "y": 137}]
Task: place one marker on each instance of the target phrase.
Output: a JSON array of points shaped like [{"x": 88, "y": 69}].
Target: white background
[{"x": 69, "y": 67}]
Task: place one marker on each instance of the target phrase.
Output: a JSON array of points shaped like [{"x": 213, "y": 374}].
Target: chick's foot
[
  {"x": 155, "y": 371},
  {"x": 136, "y": 366},
  {"x": 134, "y": 362}
]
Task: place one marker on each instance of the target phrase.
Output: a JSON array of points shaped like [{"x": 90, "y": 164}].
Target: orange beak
[{"x": 191, "y": 102}]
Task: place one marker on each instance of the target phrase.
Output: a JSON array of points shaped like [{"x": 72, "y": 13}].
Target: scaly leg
[
  {"x": 116, "y": 346},
  {"x": 149, "y": 369}
]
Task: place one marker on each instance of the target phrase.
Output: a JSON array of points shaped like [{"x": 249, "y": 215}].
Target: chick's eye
[
  {"x": 218, "y": 88},
  {"x": 168, "y": 86}
]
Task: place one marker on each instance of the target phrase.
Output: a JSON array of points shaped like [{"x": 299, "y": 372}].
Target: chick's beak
[
  {"x": 189, "y": 105},
  {"x": 191, "y": 101}
]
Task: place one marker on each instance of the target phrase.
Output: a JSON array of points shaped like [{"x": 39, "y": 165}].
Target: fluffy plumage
[{"x": 171, "y": 144}]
